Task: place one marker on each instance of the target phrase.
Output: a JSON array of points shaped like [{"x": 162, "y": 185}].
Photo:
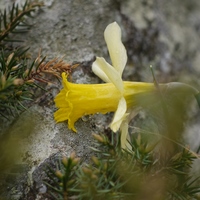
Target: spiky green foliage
[
  {"x": 12, "y": 20},
  {"x": 16, "y": 67},
  {"x": 15, "y": 81},
  {"x": 138, "y": 173},
  {"x": 64, "y": 176}
]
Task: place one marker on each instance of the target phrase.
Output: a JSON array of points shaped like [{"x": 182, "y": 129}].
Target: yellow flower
[{"x": 77, "y": 100}]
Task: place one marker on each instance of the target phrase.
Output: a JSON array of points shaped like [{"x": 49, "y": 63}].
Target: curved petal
[
  {"x": 124, "y": 135},
  {"x": 99, "y": 72},
  {"x": 117, "y": 51},
  {"x": 105, "y": 71},
  {"x": 120, "y": 115}
]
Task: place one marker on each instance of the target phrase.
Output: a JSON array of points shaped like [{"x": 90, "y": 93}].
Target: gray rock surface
[{"x": 162, "y": 33}]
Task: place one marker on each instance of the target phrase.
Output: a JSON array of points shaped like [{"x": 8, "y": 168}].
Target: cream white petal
[
  {"x": 120, "y": 115},
  {"x": 117, "y": 51},
  {"x": 124, "y": 135},
  {"x": 107, "y": 73},
  {"x": 96, "y": 68}
]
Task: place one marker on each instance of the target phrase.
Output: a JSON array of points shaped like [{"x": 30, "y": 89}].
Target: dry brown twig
[{"x": 54, "y": 67}]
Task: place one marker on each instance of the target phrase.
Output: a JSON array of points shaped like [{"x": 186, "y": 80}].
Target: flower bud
[
  {"x": 73, "y": 155},
  {"x": 19, "y": 93},
  {"x": 98, "y": 138},
  {"x": 14, "y": 68},
  {"x": 64, "y": 161},
  {"x": 75, "y": 161},
  {"x": 95, "y": 160},
  {"x": 18, "y": 81},
  {"x": 94, "y": 177},
  {"x": 105, "y": 166},
  {"x": 30, "y": 81},
  {"x": 87, "y": 171},
  {"x": 3, "y": 80},
  {"x": 9, "y": 58},
  {"x": 59, "y": 174},
  {"x": 71, "y": 182},
  {"x": 26, "y": 73}
]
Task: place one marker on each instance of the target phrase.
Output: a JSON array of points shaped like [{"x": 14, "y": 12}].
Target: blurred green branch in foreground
[{"x": 138, "y": 173}]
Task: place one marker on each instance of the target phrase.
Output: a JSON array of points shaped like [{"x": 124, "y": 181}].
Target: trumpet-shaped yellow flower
[{"x": 77, "y": 100}]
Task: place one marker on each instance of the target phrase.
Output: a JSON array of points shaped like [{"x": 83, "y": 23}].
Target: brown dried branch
[{"x": 54, "y": 67}]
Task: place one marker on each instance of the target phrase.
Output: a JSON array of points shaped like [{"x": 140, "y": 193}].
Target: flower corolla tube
[{"x": 116, "y": 95}]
